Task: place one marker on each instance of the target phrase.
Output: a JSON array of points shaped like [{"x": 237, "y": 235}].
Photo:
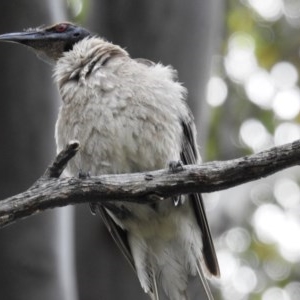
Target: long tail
[{"x": 154, "y": 292}]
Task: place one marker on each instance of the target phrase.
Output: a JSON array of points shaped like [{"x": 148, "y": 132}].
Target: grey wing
[
  {"x": 119, "y": 235},
  {"x": 189, "y": 155}
]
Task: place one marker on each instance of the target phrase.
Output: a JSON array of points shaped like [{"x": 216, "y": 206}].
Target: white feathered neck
[{"x": 85, "y": 54}]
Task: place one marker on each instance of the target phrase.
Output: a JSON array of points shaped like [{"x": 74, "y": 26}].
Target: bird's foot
[
  {"x": 177, "y": 200},
  {"x": 148, "y": 177},
  {"x": 84, "y": 175},
  {"x": 155, "y": 197},
  {"x": 175, "y": 166},
  {"x": 93, "y": 207}
]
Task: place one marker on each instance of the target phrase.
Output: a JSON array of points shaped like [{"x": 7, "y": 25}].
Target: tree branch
[{"x": 50, "y": 191}]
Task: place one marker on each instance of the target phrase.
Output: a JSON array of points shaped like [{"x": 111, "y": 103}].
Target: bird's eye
[{"x": 61, "y": 27}]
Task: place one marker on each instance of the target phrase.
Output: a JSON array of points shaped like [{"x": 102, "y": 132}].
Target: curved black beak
[{"x": 49, "y": 41}]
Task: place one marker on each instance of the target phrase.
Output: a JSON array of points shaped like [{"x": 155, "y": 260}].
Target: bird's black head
[{"x": 49, "y": 42}]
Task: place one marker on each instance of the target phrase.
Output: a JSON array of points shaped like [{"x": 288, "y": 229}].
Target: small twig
[
  {"x": 61, "y": 160},
  {"x": 50, "y": 191}
]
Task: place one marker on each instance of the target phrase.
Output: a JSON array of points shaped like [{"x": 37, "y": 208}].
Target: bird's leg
[
  {"x": 85, "y": 175},
  {"x": 176, "y": 166}
]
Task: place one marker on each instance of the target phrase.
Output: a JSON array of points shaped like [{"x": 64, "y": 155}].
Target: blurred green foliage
[{"x": 275, "y": 41}]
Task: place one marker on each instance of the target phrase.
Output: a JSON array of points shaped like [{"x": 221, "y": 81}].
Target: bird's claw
[
  {"x": 93, "y": 207},
  {"x": 84, "y": 175},
  {"x": 175, "y": 166},
  {"x": 148, "y": 177},
  {"x": 177, "y": 200},
  {"x": 155, "y": 197}
]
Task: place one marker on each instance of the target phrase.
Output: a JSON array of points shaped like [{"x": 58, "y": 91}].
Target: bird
[{"x": 130, "y": 115}]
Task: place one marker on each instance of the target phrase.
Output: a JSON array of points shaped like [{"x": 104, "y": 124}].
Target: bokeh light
[
  {"x": 267, "y": 221},
  {"x": 284, "y": 75},
  {"x": 240, "y": 61},
  {"x": 286, "y": 132},
  {"x": 228, "y": 264},
  {"x": 216, "y": 91},
  {"x": 260, "y": 88},
  {"x": 293, "y": 290},
  {"x": 270, "y": 10},
  {"x": 261, "y": 193},
  {"x": 75, "y": 6},
  {"x": 286, "y": 104},
  {"x": 276, "y": 269},
  {"x": 254, "y": 134},
  {"x": 273, "y": 226},
  {"x": 238, "y": 280},
  {"x": 287, "y": 193},
  {"x": 245, "y": 280},
  {"x": 275, "y": 293},
  {"x": 238, "y": 239}
]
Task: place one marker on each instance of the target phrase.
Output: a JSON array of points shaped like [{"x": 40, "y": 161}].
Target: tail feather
[
  {"x": 154, "y": 292},
  {"x": 153, "y": 296},
  {"x": 158, "y": 291}
]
